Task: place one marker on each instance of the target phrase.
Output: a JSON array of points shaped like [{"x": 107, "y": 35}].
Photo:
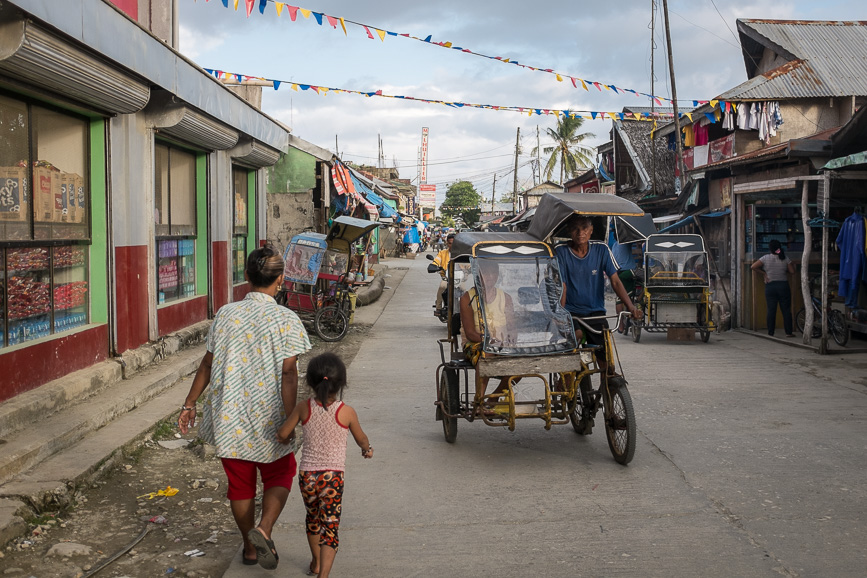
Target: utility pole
[
  {"x": 336, "y": 150},
  {"x": 677, "y": 136},
  {"x": 538, "y": 157},
  {"x": 515, "y": 186},
  {"x": 652, "y": 91},
  {"x": 493, "y": 194}
]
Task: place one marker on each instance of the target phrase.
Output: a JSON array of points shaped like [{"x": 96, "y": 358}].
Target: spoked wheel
[
  {"x": 449, "y": 394},
  {"x": 331, "y": 323},
  {"x": 838, "y": 327},
  {"x": 801, "y": 322},
  {"x": 579, "y": 424},
  {"x": 620, "y": 425}
]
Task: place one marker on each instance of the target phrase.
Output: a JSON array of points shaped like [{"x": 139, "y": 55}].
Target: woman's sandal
[{"x": 265, "y": 551}]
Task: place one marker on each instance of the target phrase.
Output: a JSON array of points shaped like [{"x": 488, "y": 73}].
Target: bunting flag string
[
  {"x": 382, "y": 33},
  {"x": 530, "y": 111}
]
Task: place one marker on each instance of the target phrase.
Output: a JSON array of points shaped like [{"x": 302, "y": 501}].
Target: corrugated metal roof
[{"x": 830, "y": 59}]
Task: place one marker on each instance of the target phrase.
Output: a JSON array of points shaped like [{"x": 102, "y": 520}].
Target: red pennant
[
  {"x": 293, "y": 12},
  {"x": 332, "y": 20},
  {"x": 249, "y": 6},
  {"x": 369, "y": 35}
]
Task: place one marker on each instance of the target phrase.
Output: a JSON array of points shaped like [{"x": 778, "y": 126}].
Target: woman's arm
[
  {"x": 289, "y": 384},
  {"x": 467, "y": 320},
  {"x": 791, "y": 268},
  {"x": 287, "y": 431},
  {"x": 187, "y": 419}
]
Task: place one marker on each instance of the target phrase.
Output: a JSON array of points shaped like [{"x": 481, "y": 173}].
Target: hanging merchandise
[
  {"x": 753, "y": 120},
  {"x": 851, "y": 241},
  {"x": 701, "y": 132},
  {"x": 688, "y": 136}
]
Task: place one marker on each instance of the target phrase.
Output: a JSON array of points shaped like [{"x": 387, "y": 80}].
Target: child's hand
[
  {"x": 284, "y": 438},
  {"x": 367, "y": 454}
]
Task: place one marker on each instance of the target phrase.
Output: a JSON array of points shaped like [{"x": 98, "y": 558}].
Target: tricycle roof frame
[
  {"x": 555, "y": 209},
  {"x": 345, "y": 231},
  {"x": 666, "y": 243},
  {"x": 497, "y": 245}
]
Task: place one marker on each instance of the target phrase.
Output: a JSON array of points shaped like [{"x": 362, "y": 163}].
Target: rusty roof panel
[{"x": 831, "y": 59}]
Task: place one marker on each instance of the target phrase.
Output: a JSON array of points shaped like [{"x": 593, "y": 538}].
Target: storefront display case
[
  {"x": 176, "y": 274},
  {"x": 44, "y": 291},
  {"x": 239, "y": 258}
]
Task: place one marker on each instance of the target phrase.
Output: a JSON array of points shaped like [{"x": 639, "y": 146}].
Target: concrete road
[{"x": 750, "y": 462}]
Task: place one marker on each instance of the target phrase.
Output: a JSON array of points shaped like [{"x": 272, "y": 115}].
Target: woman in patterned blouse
[{"x": 251, "y": 368}]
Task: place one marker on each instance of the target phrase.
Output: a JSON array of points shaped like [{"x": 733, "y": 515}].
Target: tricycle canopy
[
  {"x": 633, "y": 229},
  {"x": 555, "y": 209},
  {"x": 345, "y": 231},
  {"x": 472, "y": 244},
  {"x": 675, "y": 261}
]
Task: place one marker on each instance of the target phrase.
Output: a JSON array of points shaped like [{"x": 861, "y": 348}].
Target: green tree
[
  {"x": 567, "y": 150},
  {"x": 462, "y": 200}
]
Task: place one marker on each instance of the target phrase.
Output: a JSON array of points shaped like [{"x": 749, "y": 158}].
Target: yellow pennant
[
  {"x": 734, "y": 107},
  {"x": 506, "y": 60},
  {"x": 295, "y": 87},
  {"x": 381, "y": 34},
  {"x": 343, "y": 25},
  {"x": 279, "y": 6},
  {"x": 447, "y": 44},
  {"x": 584, "y": 85},
  {"x": 559, "y": 78},
  {"x": 637, "y": 115},
  {"x": 236, "y": 5},
  {"x": 305, "y": 13},
  {"x": 713, "y": 103},
  {"x": 688, "y": 115}
]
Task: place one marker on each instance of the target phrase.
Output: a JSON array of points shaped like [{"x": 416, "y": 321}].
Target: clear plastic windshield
[
  {"x": 676, "y": 269},
  {"x": 519, "y": 300}
]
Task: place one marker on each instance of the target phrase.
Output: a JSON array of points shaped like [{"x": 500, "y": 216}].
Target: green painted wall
[
  {"x": 98, "y": 224},
  {"x": 295, "y": 172},
  {"x": 201, "y": 224},
  {"x": 251, "y": 211}
]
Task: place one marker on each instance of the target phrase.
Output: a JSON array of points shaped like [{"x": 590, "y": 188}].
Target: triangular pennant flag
[
  {"x": 225, "y": 3},
  {"x": 318, "y": 17},
  {"x": 262, "y": 4},
  {"x": 597, "y": 85},
  {"x": 279, "y": 6},
  {"x": 236, "y": 5},
  {"x": 315, "y": 88},
  {"x": 369, "y": 35},
  {"x": 583, "y": 85},
  {"x": 657, "y": 101},
  {"x": 559, "y": 78},
  {"x": 276, "y": 84},
  {"x": 713, "y": 103},
  {"x": 593, "y": 114},
  {"x": 621, "y": 115},
  {"x": 238, "y": 76},
  {"x": 574, "y": 84},
  {"x": 428, "y": 38},
  {"x": 294, "y": 87},
  {"x": 446, "y": 44},
  {"x": 637, "y": 115},
  {"x": 250, "y": 4},
  {"x": 332, "y": 21},
  {"x": 710, "y": 117},
  {"x": 381, "y": 34},
  {"x": 728, "y": 107},
  {"x": 293, "y": 12},
  {"x": 304, "y": 86},
  {"x": 689, "y": 116},
  {"x": 306, "y": 13},
  {"x": 695, "y": 104},
  {"x": 614, "y": 88},
  {"x": 343, "y": 25}
]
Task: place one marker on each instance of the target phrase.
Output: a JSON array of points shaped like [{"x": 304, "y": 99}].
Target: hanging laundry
[
  {"x": 753, "y": 121},
  {"x": 672, "y": 144},
  {"x": 729, "y": 120},
  {"x": 743, "y": 117},
  {"x": 851, "y": 241},
  {"x": 688, "y": 136},
  {"x": 764, "y": 125},
  {"x": 701, "y": 132},
  {"x": 776, "y": 115}
]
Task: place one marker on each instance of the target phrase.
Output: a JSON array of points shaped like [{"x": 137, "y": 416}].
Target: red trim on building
[
  {"x": 130, "y": 7},
  {"x": 171, "y": 318},
  {"x": 240, "y": 291},
  {"x": 29, "y": 367},
  {"x": 132, "y": 296},
  {"x": 219, "y": 250}
]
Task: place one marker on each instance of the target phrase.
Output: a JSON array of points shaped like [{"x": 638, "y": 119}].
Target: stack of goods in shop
[
  {"x": 27, "y": 297},
  {"x": 27, "y": 259},
  {"x": 70, "y": 295},
  {"x": 13, "y": 193},
  {"x": 68, "y": 256},
  {"x": 59, "y": 197},
  {"x": 68, "y": 320}
]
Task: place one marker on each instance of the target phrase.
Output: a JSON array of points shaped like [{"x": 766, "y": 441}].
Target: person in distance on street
[
  {"x": 442, "y": 260},
  {"x": 251, "y": 368},
  {"x": 776, "y": 268},
  {"x": 325, "y": 421}
]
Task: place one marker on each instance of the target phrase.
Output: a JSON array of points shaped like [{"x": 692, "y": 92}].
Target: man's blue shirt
[{"x": 585, "y": 285}]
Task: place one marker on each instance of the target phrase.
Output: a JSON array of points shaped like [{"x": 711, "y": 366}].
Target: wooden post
[
  {"x": 678, "y": 136},
  {"x": 515, "y": 186},
  {"x": 805, "y": 265},
  {"x": 825, "y": 183}
]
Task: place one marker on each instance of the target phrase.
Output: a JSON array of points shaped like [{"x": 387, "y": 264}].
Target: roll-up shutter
[
  {"x": 36, "y": 56},
  {"x": 173, "y": 118},
  {"x": 255, "y": 154}
]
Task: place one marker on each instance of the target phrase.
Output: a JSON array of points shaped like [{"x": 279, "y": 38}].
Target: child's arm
[
  {"x": 348, "y": 416},
  {"x": 287, "y": 431}
]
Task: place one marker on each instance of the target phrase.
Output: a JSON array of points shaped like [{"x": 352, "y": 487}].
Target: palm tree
[{"x": 567, "y": 148}]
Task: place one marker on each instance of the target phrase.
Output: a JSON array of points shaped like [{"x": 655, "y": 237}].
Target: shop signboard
[{"x": 427, "y": 195}]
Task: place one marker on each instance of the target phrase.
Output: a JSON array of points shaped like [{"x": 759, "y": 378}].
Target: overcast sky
[{"x": 609, "y": 42}]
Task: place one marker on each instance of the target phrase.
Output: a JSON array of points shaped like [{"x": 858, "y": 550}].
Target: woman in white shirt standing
[{"x": 776, "y": 268}]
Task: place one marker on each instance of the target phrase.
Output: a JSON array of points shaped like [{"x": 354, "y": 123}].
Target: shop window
[
  {"x": 240, "y": 190},
  {"x": 175, "y": 222},
  {"x": 44, "y": 227}
]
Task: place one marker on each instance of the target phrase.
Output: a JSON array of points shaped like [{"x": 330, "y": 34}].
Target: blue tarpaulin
[
  {"x": 373, "y": 198},
  {"x": 689, "y": 220}
]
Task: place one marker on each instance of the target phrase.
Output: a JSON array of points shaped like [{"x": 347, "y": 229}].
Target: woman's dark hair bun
[{"x": 264, "y": 266}]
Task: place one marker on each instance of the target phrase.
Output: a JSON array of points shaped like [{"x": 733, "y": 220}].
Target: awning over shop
[
  {"x": 383, "y": 209},
  {"x": 847, "y": 161}
]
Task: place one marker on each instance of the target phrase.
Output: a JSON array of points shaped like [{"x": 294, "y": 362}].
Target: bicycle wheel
[
  {"x": 331, "y": 323},
  {"x": 801, "y": 319},
  {"x": 620, "y": 428},
  {"x": 838, "y": 327},
  {"x": 449, "y": 394}
]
